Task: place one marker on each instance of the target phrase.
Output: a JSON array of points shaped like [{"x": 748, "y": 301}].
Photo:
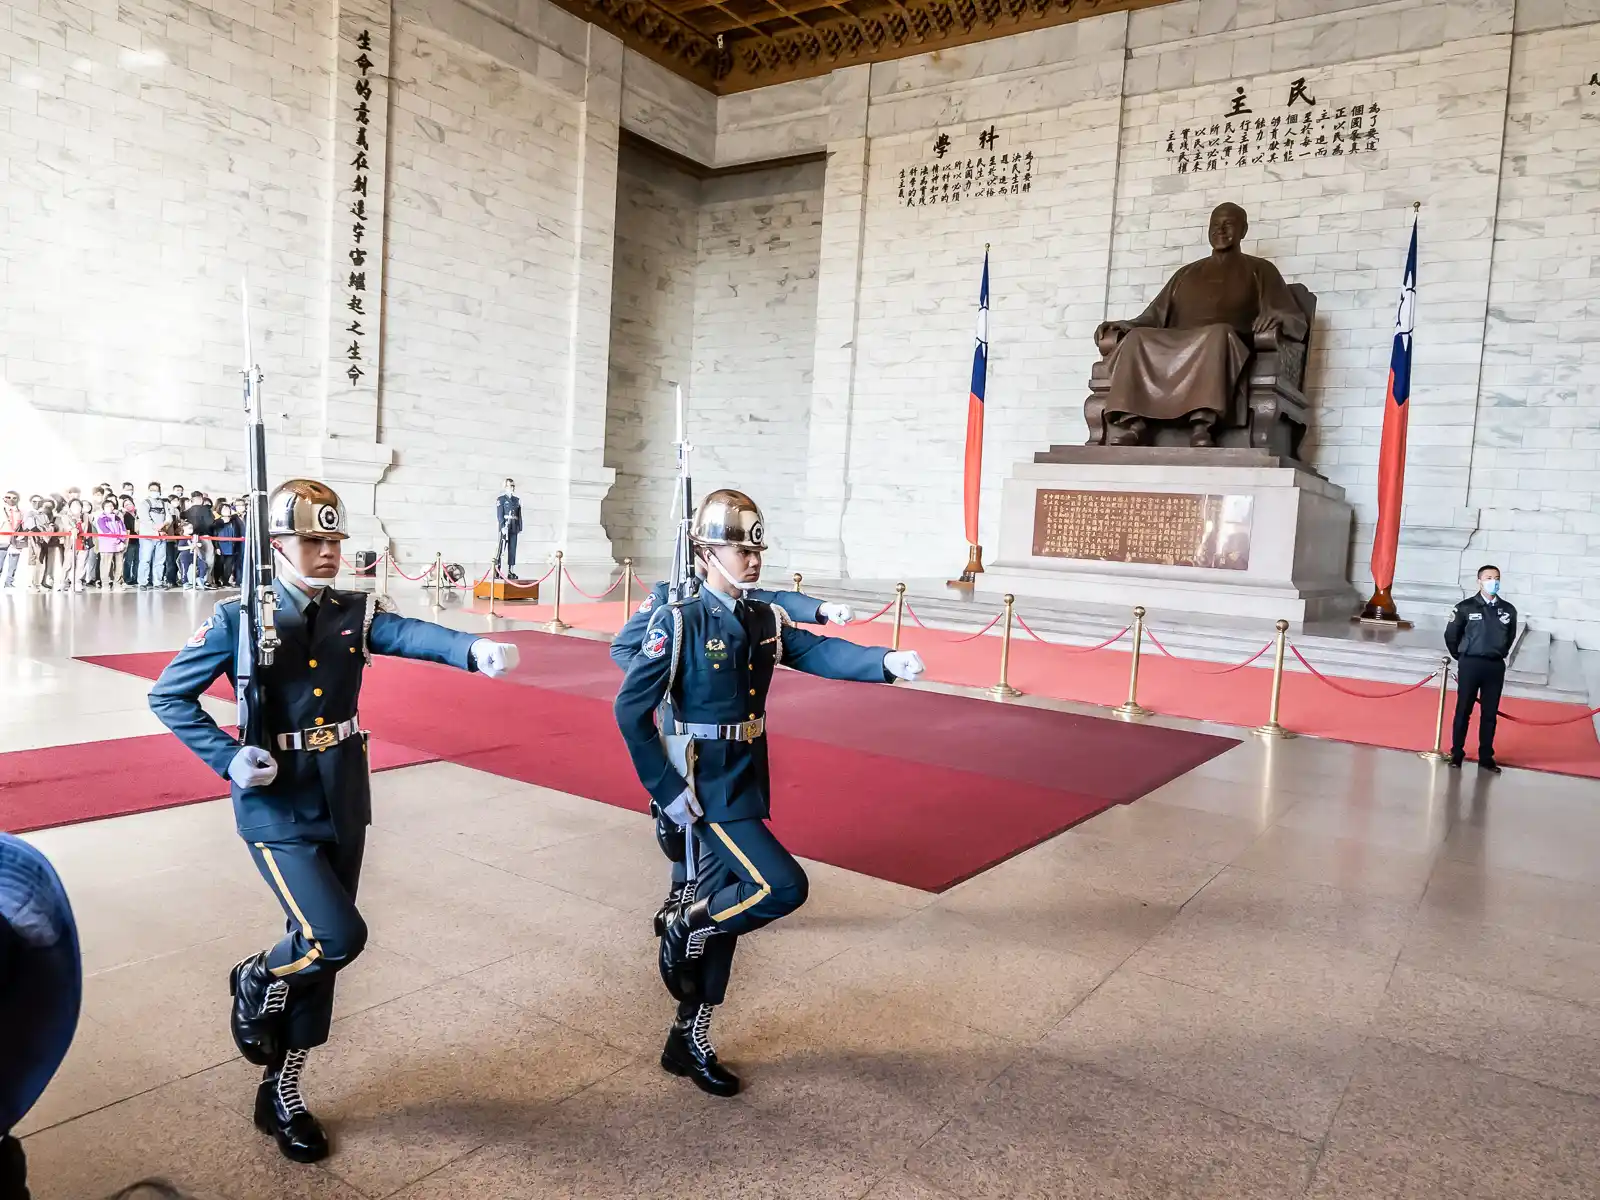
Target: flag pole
[
  {"x": 1380, "y": 608},
  {"x": 973, "y": 468}
]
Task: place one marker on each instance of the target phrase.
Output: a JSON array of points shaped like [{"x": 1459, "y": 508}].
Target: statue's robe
[{"x": 1188, "y": 351}]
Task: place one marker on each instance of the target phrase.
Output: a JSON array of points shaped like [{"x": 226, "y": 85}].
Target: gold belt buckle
[
  {"x": 322, "y": 737},
  {"x": 750, "y": 730}
]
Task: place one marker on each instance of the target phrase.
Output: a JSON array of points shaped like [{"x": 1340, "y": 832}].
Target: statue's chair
[{"x": 1269, "y": 410}]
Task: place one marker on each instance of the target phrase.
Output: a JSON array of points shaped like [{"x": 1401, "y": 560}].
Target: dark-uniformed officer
[
  {"x": 800, "y": 608},
  {"x": 41, "y": 990},
  {"x": 508, "y": 521},
  {"x": 304, "y": 807},
  {"x": 1480, "y": 636},
  {"x": 712, "y": 658}
]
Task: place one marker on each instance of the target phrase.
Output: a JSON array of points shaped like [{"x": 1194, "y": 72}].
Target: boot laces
[
  {"x": 700, "y": 1031},
  {"x": 277, "y": 996},
  {"x": 289, "y": 1098}
]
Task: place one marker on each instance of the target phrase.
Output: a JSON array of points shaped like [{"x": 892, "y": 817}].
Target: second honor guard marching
[
  {"x": 302, "y": 808},
  {"x": 711, "y": 658}
]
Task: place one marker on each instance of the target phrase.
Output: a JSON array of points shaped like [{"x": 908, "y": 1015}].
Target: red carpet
[
  {"x": 914, "y": 787},
  {"x": 61, "y": 785},
  {"x": 1180, "y": 688}
]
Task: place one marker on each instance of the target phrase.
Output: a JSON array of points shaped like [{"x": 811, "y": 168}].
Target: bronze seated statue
[{"x": 1218, "y": 359}]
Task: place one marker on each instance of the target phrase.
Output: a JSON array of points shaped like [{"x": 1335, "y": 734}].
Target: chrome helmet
[
  {"x": 306, "y": 508},
  {"x": 729, "y": 518}
]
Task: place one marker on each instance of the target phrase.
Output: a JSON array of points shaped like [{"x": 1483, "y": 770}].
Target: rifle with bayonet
[
  {"x": 684, "y": 583},
  {"x": 258, "y": 634}
]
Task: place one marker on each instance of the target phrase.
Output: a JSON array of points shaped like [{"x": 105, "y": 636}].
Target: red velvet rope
[
  {"x": 1114, "y": 638},
  {"x": 874, "y": 616},
  {"x": 1203, "y": 670},
  {"x": 589, "y": 595},
  {"x": 1586, "y": 716},
  {"x": 1421, "y": 683}
]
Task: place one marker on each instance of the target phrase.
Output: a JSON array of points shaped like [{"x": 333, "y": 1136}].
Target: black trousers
[
  {"x": 315, "y": 882},
  {"x": 1480, "y": 679},
  {"x": 511, "y": 550}
]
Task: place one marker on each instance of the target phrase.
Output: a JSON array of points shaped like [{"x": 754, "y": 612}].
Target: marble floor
[{"x": 1304, "y": 969}]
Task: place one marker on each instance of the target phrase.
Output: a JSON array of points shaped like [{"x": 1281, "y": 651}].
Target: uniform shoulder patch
[
  {"x": 199, "y": 636},
  {"x": 648, "y": 603},
  {"x": 655, "y": 643}
]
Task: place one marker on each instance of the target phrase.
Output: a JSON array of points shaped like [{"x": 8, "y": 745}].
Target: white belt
[
  {"x": 744, "y": 731},
  {"x": 320, "y": 737}
]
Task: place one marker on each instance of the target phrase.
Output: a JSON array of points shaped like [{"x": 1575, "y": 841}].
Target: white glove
[
  {"x": 904, "y": 664},
  {"x": 494, "y": 659},
  {"x": 685, "y": 810},
  {"x": 837, "y": 614},
  {"x": 252, "y": 767}
]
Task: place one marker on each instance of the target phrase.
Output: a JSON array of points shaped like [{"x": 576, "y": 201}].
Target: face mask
[{"x": 1491, "y": 587}]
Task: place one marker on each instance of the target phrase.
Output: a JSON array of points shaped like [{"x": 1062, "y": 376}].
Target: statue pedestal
[{"x": 1226, "y": 532}]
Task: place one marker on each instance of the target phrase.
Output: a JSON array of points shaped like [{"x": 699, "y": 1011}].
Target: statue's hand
[
  {"x": 1111, "y": 331},
  {"x": 1266, "y": 324}
]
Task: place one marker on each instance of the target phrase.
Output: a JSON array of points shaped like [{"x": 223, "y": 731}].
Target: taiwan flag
[
  {"x": 980, "y": 378},
  {"x": 1396, "y": 413}
]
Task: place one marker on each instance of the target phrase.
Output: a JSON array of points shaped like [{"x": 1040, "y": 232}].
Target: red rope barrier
[
  {"x": 1202, "y": 670},
  {"x": 590, "y": 596},
  {"x": 874, "y": 616},
  {"x": 912, "y": 613},
  {"x": 1421, "y": 683},
  {"x": 1586, "y": 716},
  {"x": 1114, "y": 638},
  {"x": 413, "y": 578},
  {"x": 974, "y": 637}
]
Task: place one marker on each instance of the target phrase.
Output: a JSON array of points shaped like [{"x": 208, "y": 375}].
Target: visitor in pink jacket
[{"x": 112, "y": 536}]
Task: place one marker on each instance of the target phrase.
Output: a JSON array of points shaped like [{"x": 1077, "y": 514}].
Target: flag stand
[
  {"x": 973, "y": 569},
  {"x": 1380, "y": 610}
]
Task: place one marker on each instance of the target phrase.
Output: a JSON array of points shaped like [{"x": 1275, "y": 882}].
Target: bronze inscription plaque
[{"x": 1169, "y": 529}]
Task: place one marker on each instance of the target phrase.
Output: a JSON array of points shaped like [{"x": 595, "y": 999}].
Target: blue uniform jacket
[
  {"x": 318, "y": 794},
  {"x": 801, "y": 608},
  {"x": 722, "y": 679}
]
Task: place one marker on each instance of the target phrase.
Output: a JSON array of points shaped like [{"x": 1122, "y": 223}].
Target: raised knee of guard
[
  {"x": 347, "y": 944},
  {"x": 792, "y": 893}
]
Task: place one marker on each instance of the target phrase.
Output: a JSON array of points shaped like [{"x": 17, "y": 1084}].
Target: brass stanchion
[
  {"x": 1131, "y": 706},
  {"x": 494, "y": 582},
  {"x": 386, "y": 556},
  {"x": 797, "y": 581},
  {"x": 1272, "y": 729},
  {"x": 627, "y": 588},
  {"x": 438, "y": 579},
  {"x": 556, "y": 624},
  {"x": 1437, "y": 754},
  {"x": 1004, "y": 688},
  {"x": 899, "y": 613}
]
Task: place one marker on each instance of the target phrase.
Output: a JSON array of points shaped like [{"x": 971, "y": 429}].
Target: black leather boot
[
  {"x": 281, "y": 1112},
  {"x": 679, "y": 971},
  {"x": 688, "y": 1052},
  {"x": 13, "y": 1169},
  {"x": 258, "y": 1003}
]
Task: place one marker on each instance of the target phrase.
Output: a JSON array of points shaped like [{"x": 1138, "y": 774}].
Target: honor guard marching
[
  {"x": 300, "y": 787},
  {"x": 799, "y": 607},
  {"x": 709, "y": 653}
]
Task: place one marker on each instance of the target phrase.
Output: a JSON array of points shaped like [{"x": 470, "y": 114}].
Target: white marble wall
[
  {"x": 652, "y": 345},
  {"x": 151, "y": 154},
  {"x": 715, "y": 287},
  {"x": 1536, "y": 439}
]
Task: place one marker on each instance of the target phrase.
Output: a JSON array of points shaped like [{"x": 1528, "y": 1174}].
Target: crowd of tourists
[{"x": 118, "y": 538}]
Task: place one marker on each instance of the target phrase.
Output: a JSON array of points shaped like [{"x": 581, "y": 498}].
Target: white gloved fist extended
[
  {"x": 685, "y": 810},
  {"x": 904, "y": 664},
  {"x": 837, "y": 614},
  {"x": 494, "y": 659},
  {"x": 252, "y": 767}
]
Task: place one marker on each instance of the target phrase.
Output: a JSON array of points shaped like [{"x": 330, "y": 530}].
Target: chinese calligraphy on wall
[
  {"x": 1241, "y": 135},
  {"x": 947, "y": 179},
  {"x": 356, "y": 283}
]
